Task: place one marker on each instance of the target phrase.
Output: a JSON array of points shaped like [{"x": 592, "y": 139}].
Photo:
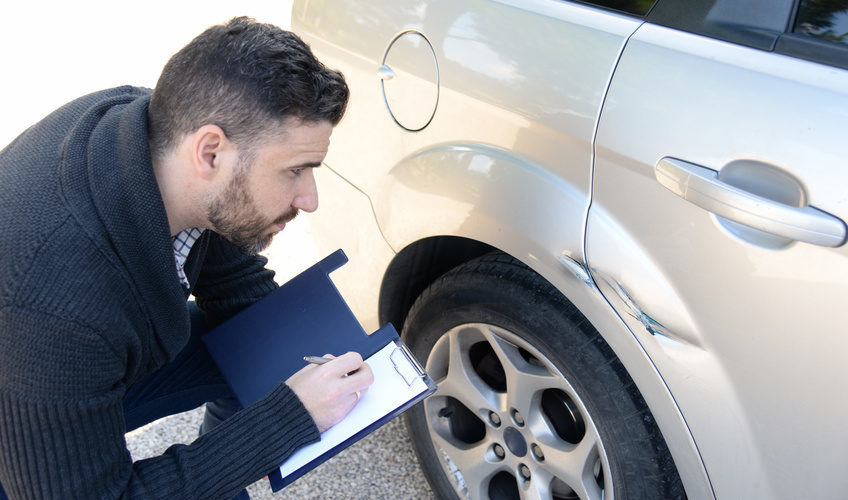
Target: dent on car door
[{"x": 698, "y": 141}]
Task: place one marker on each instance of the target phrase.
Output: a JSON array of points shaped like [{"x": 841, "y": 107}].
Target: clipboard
[{"x": 265, "y": 344}]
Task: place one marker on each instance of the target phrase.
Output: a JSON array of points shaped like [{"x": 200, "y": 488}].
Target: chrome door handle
[
  {"x": 702, "y": 187},
  {"x": 385, "y": 73}
]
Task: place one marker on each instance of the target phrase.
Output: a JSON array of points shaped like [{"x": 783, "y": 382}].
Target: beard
[{"x": 235, "y": 217}]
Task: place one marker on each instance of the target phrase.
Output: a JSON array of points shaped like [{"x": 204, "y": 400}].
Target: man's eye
[{"x": 296, "y": 171}]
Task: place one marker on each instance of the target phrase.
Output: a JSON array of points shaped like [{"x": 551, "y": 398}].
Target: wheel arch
[
  {"x": 417, "y": 266},
  {"x": 470, "y": 198}
]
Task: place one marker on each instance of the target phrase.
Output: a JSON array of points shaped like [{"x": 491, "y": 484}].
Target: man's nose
[{"x": 307, "y": 195}]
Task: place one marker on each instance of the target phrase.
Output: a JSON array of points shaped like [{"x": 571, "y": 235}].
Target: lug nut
[
  {"x": 494, "y": 419},
  {"x": 524, "y": 471},
  {"x": 517, "y": 418},
  {"x": 499, "y": 451},
  {"x": 537, "y": 452}
]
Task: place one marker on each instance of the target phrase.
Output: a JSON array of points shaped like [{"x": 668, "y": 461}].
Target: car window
[
  {"x": 819, "y": 33},
  {"x": 636, "y": 7},
  {"x": 823, "y": 19},
  {"x": 754, "y": 23}
]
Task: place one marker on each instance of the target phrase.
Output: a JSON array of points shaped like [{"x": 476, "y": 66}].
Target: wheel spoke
[
  {"x": 462, "y": 382},
  {"x": 538, "y": 489},
  {"x": 574, "y": 465},
  {"x": 470, "y": 460},
  {"x": 523, "y": 379}
]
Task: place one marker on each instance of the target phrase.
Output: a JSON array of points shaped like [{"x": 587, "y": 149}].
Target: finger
[
  {"x": 345, "y": 364},
  {"x": 359, "y": 380},
  {"x": 367, "y": 377}
]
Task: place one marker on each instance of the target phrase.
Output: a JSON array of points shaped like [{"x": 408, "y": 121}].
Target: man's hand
[{"x": 331, "y": 390}]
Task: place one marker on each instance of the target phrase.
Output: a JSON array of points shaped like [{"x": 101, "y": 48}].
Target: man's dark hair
[{"x": 245, "y": 77}]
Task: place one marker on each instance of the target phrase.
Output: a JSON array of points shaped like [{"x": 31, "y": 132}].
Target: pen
[
  {"x": 320, "y": 360},
  {"x": 316, "y": 360}
]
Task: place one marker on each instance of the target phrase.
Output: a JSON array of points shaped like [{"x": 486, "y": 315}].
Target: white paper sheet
[{"x": 388, "y": 392}]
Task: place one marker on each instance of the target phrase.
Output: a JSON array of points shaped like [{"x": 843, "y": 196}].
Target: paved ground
[{"x": 382, "y": 465}]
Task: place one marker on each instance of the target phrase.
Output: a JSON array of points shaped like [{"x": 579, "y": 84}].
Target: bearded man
[{"x": 116, "y": 208}]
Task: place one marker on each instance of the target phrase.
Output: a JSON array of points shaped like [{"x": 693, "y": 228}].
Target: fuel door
[{"x": 409, "y": 76}]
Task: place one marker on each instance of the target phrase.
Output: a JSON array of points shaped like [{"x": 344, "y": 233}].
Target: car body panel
[
  {"x": 348, "y": 222},
  {"x": 745, "y": 332},
  {"x": 480, "y": 192}
]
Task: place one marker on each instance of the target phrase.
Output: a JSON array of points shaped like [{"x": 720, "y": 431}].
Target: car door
[{"x": 716, "y": 231}]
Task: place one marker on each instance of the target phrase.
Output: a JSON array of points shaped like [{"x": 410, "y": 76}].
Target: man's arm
[{"x": 62, "y": 424}]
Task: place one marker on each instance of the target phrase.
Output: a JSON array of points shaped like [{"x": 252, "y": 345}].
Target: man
[{"x": 117, "y": 207}]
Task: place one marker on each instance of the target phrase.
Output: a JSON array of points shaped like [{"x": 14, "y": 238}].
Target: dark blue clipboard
[{"x": 265, "y": 344}]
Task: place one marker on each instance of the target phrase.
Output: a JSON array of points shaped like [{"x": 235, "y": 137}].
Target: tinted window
[
  {"x": 755, "y": 23},
  {"x": 638, "y": 7},
  {"x": 824, "y": 19},
  {"x": 819, "y": 34}
]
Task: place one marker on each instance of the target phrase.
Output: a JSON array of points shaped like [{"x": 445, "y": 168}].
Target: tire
[{"x": 532, "y": 403}]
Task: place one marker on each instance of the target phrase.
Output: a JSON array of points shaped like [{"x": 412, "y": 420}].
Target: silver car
[{"x": 613, "y": 230}]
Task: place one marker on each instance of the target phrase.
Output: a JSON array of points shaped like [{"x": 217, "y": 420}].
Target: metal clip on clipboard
[{"x": 408, "y": 376}]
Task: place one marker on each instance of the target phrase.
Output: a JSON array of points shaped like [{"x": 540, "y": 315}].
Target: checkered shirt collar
[{"x": 183, "y": 242}]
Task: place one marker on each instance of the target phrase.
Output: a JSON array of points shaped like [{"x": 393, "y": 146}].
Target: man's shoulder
[
  {"x": 39, "y": 229},
  {"x": 29, "y": 165},
  {"x": 106, "y": 96},
  {"x": 49, "y": 132}
]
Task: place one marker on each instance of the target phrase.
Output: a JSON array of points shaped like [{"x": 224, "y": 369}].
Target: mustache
[{"x": 288, "y": 216}]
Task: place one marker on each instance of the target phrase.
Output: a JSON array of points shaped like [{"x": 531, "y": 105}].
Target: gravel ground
[{"x": 382, "y": 465}]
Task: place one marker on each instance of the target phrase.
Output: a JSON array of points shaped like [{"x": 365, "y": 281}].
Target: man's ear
[{"x": 211, "y": 151}]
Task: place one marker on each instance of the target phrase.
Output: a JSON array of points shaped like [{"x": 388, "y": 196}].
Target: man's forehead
[
  {"x": 296, "y": 131},
  {"x": 297, "y": 148}
]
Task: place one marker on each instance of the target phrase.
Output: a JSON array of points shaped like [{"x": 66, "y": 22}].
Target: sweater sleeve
[{"x": 62, "y": 424}]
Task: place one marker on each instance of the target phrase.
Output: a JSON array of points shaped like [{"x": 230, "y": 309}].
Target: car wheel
[{"x": 532, "y": 403}]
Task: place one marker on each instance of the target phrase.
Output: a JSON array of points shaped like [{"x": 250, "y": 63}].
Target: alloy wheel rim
[{"x": 505, "y": 423}]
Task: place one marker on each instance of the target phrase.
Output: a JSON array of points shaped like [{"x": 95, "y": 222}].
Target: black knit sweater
[{"x": 90, "y": 302}]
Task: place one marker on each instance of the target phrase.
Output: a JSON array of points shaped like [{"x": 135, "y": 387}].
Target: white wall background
[{"x": 52, "y": 52}]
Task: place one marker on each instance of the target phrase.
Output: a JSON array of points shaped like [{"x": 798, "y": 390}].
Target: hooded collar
[{"x": 108, "y": 183}]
